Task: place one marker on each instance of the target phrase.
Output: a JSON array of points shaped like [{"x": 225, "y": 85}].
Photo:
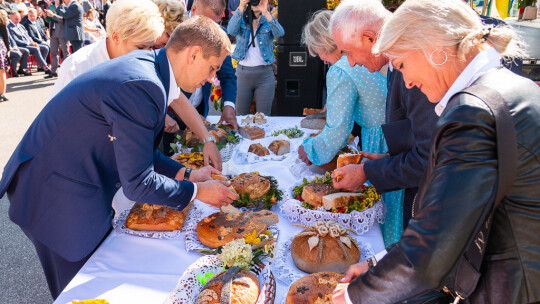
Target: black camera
[{"x": 254, "y": 2}]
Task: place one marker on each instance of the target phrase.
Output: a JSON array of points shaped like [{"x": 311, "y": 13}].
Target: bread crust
[
  {"x": 332, "y": 256},
  {"x": 220, "y": 228},
  {"x": 156, "y": 217},
  {"x": 314, "y": 288},
  {"x": 258, "y": 149},
  {"x": 251, "y": 132},
  {"x": 312, "y": 194},
  {"x": 257, "y": 186},
  {"x": 280, "y": 147},
  {"x": 193, "y": 160},
  {"x": 348, "y": 159},
  {"x": 245, "y": 289},
  {"x": 314, "y": 124}
]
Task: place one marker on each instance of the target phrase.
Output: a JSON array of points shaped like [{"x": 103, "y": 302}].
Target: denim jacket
[{"x": 265, "y": 37}]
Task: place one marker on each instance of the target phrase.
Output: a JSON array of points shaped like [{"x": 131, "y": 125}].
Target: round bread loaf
[
  {"x": 325, "y": 248},
  {"x": 313, "y": 194},
  {"x": 252, "y": 183},
  {"x": 314, "y": 288},
  {"x": 233, "y": 286},
  {"x": 220, "y": 228}
]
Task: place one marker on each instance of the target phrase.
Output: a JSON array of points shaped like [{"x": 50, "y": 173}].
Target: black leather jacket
[{"x": 461, "y": 181}]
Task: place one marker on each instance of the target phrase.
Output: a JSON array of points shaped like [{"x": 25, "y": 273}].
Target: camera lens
[{"x": 254, "y": 2}]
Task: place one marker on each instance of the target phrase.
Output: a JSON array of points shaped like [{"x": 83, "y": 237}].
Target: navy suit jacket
[
  {"x": 35, "y": 32},
  {"x": 410, "y": 125},
  {"x": 73, "y": 21},
  {"x": 97, "y": 134},
  {"x": 19, "y": 34}
]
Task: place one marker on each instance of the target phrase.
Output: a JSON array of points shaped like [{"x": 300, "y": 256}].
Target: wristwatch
[
  {"x": 187, "y": 174},
  {"x": 209, "y": 139}
]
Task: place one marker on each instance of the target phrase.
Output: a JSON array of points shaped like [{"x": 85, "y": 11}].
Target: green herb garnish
[{"x": 293, "y": 132}]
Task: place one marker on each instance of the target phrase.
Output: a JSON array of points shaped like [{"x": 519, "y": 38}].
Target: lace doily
[
  {"x": 360, "y": 222},
  {"x": 243, "y": 156},
  {"x": 119, "y": 224},
  {"x": 188, "y": 287},
  {"x": 199, "y": 211},
  {"x": 287, "y": 272},
  {"x": 226, "y": 153}
]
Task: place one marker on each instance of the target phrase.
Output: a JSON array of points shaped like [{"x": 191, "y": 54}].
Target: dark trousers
[
  {"x": 76, "y": 45},
  {"x": 58, "y": 271},
  {"x": 40, "y": 53},
  {"x": 15, "y": 57}
]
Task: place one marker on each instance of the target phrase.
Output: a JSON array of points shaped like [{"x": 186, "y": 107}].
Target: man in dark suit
[
  {"x": 17, "y": 54},
  {"x": 410, "y": 119},
  {"x": 36, "y": 33},
  {"x": 100, "y": 133},
  {"x": 72, "y": 13},
  {"x": 22, "y": 40}
]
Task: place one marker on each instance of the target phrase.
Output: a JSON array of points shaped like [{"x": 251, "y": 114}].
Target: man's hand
[
  {"x": 338, "y": 296},
  {"x": 354, "y": 271},
  {"x": 372, "y": 156},
  {"x": 211, "y": 154},
  {"x": 215, "y": 193},
  {"x": 49, "y": 13},
  {"x": 302, "y": 155},
  {"x": 229, "y": 116},
  {"x": 351, "y": 177},
  {"x": 203, "y": 174},
  {"x": 170, "y": 125}
]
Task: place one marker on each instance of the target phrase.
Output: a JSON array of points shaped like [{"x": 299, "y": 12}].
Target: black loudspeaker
[
  {"x": 293, "y": 15},
  {"x": 300, "y": 81}
]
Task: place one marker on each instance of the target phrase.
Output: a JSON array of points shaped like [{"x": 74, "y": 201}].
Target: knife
[{"x": 318, "y": 115}]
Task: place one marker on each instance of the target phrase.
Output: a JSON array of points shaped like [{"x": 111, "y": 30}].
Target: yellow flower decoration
[{"x": 251, "y": 238}]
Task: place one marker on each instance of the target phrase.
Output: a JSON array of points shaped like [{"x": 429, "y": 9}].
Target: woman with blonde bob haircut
[
  {"x": 131, "y": 25},
  {"x": 478, "y": 209},
  {"x": 172, "y": 12},
  {"x": 354, "y": 95}
]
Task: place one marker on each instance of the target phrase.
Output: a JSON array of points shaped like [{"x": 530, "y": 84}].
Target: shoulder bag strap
[{"x": 467, "y": 273}]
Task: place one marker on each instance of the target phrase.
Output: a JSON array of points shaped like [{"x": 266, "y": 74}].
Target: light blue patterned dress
[{"x": 356, "y": 95}]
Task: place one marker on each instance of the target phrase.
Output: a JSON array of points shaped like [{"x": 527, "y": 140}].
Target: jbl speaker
[
  {"x": 300, "y": 81},
  {"x": 293, "y": 15}
]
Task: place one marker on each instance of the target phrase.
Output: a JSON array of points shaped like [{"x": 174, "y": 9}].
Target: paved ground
[{"x": 21, "y": 277}]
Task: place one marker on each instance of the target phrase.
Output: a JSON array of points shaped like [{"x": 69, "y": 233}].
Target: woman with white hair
[
  {"x": 354, "y": 95},
  {"x": 131, "y": 25},
  {"x": 473, "y": 235}
]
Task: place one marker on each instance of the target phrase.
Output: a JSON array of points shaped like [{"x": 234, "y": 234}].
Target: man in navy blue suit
[
  {"x": 72, "y": 13},
  {"x": 100, "y": 133},
  {"x": 23, "y": 40},
  {"x": 36, "y": 33}
]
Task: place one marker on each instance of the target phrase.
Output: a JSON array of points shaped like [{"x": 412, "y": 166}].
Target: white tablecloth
[{"x": 132, "y": 269}]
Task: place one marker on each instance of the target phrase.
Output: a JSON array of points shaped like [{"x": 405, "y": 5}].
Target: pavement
[{"x": 21, "y": 277}]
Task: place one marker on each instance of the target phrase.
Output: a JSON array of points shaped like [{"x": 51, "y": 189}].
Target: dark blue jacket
[
  {"x": 19, "y": 34},
  {"x": 97, "y": 134},
  {"x": 35, "y": 32},
  {"x": 73, "y": 21},
  {"x": 410, "y": 119}
]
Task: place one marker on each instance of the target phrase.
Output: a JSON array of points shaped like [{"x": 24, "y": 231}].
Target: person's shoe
[
  {"x": 51, "y": 75},
  {"x": 23, "y": 72},
  {"x": 3, "y": 97}
]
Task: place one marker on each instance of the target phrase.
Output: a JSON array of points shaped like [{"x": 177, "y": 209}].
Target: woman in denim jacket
[{"x": 254, "y": 55}]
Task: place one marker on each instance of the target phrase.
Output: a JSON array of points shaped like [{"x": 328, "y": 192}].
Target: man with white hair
[{"x": 410, "y": 118}]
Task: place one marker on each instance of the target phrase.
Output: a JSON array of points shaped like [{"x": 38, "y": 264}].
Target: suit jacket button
[{"x": 118, "y": 185}]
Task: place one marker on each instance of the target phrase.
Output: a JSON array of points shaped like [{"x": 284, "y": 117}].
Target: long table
[{"x": 133, "y": 269}]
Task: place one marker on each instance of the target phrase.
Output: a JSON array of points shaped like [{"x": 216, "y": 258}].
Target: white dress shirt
[
  {"x": 174, "y": 93},
  {"x": 482, "y": 63},
  {"x": 79, "y": 62}
]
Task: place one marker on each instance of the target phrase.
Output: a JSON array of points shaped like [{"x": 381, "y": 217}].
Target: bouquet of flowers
[{"x": 215, "y": 95}]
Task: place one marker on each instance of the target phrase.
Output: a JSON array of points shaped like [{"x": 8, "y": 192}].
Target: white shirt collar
[
  {"x": 174, "y": 90},
  {"x": 482, "y": 63}
]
